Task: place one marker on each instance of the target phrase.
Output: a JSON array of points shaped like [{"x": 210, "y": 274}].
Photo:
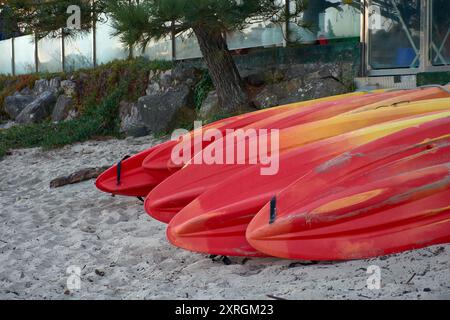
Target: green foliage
[
  {"x": 48, "y": 18},
  {"x": 137, "y": 22},
  {"x": 98, "y": 98},
  {"x": 427, "y": 78},
  {"x": 97, "y": 121},
  {"x": 202, "y": 88},
  {"x": 9, "y": 85}
]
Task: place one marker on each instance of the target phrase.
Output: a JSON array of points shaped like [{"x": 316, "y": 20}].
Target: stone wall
[{"x": 273, "y": 76}]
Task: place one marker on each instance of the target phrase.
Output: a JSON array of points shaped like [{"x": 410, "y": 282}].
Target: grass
[
  {"x": 97, "y": 101},
  {"x": 97, "y": 121}
]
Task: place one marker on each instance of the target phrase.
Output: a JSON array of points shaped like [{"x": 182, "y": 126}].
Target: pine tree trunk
[{"x": 222, "y": 69}]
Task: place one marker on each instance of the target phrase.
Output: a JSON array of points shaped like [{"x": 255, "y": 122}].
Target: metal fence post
[
  {"x": 13, "y": 59},
  {"x": 63, "y": 51},
  {"x": 286, "y": 30},
  {"x": 36, "y": 53},
  {"x": 94, "y": 35},
  {"x": 174, "y": 42}
]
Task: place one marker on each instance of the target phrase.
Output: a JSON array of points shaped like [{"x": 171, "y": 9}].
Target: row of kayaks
[{"x": 358, "y": 175}]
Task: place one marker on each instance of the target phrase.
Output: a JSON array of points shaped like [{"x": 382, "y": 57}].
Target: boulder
[
  {"x": 54, "y": 84},
  {"x": 278, "y": 94},
  {"x": 41, "y": 86},
  {"x": 26, "y": 92},
  {"x": 39, "y": 109},
  {"x": 69, "y": 88},
  {"x": 297, "y": 89},
  {"x": 256, "y": 79},
  {"x": 311, "y": 71},
  {"x": 131, "y": 122},
  {"x": 210, "y": 106},
  {"x": 14, "y": 105},
  {"x": 62, "y": 108},
  {"x": 320, "y": 88},
  {"x": 163, "y": 81},
  {"x": 160, "y": 112},
  {"x": 186, "y": 74},
  {"x": 73, "y": 114}
]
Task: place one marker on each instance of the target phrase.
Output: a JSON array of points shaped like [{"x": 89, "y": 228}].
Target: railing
[{"x": 23, "y": 55}]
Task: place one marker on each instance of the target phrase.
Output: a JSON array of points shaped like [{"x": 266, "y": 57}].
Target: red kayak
[
  {"x": 132, "y": 177},
  {"x": 365, "y": 219},
  {"x": 128, "y": 178},
  {"x": 177, "y": 191},
  {"x": 138, "y": 175},
  {"x": 305, "y": 112},
  {"x": 216, "y": 224},
  {"x": 162, "y": 160}
]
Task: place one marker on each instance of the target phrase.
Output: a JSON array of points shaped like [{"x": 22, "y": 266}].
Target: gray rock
[
  {"x": 162, "y": 81},
  {"x": 62, "y": 108},
  {"x": 166, "y": 78},
  {"x": 54, "y": 84},
  {"x": 73, "y": 114},
  {"x": 69, "y": 88},
  {"x": 26, "y": 92},
  {"x": 41, "y": 86},
  {"x": 130, "y": 120},
  {"x": 320, "y": 88},
  {"x": 8, "y": 125},
  {"x": 256, "y": 79},
  {"x": 210, "y": 106},
  {"x": 14, "y": 105},
  {"x": 311, "y": 71},
  {"x": 295, "y": 90},
  {"x": 159, "y": 112},
  {"x": 278, "y": 94},
  {"x": 39, "y": 109},
  {"x": 186, "y": 74},
  {"x": 153, "y": 88}
]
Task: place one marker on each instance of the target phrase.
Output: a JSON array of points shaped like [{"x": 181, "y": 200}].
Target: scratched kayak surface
[
  {"x": 178, "y": 190},
  {"x": 216, "y": 221},
  {"x": 139, "y": 174}
]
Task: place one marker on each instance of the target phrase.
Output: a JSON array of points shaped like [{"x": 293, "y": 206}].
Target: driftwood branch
[{"x": 77, "y": 177}]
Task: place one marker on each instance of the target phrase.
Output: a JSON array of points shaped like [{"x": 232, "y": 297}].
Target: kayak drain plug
[{"x": 273, "y": 210}]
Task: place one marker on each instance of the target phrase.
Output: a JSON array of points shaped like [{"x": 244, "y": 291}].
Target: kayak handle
[
  {"x": 119, "y": 169},
  {"x": 273, "y": 210}
]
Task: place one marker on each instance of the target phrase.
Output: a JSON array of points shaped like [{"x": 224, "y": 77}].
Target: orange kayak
[
  {"x": 178, "y": 190},
  {"x": 216, "y": 221}
]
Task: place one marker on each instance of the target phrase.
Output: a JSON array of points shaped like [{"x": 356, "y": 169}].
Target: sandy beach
[{"x": 123, "y": 253}]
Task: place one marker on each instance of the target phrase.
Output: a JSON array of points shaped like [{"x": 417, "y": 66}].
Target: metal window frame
[{"x": 425, "y": 37}]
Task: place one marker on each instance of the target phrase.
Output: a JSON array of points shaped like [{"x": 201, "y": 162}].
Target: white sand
[{"x": 43, "y": 231}]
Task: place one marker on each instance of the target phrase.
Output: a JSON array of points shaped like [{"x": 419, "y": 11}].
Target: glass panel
[
  {"x": 24, "y": 54},
  {"x": 160, "y": 50},
  {"x": 187, "y": 46},
  {"x": 78, "y": 52},
  {"x": 49, "y": 53},
  {"x": 108, "y": 47},
  {"x": 327, "y": 19},
  {"x": 6, "y": 57},
  {"x": 343, "y": 21},
  {"x": 440, "y": 32},
  {"x": 256, "y": 35},
  {"x": 394, "y": 34}
]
